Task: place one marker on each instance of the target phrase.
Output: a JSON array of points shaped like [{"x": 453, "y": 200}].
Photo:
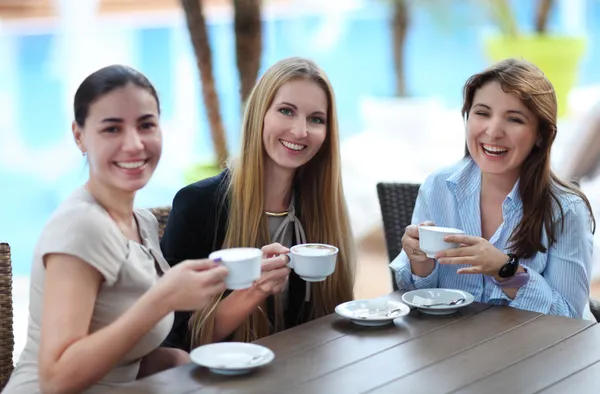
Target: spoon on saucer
[
  {"x": 387, "y": 314},
  {"x": 454, "y": 302},
  {"x": 249, "y": 363},
  {"x": 256, "y": 358}
]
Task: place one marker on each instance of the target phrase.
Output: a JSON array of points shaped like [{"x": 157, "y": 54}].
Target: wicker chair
[
  {"x": 7, "y": 342},
  {"x": 397, "y": 201},
  {"x": 162, "y": 215}
]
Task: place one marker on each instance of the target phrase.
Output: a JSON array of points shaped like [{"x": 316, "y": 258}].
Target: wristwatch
[
  {"x": 510, "y": 267},
  {"x": 509, "y": 270}
]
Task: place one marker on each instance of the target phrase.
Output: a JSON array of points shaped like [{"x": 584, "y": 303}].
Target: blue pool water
[{"x": 354, "y": 49}]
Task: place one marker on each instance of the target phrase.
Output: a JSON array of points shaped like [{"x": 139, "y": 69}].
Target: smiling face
[
  {"x": 501, "y": 130},
  {"x": 295, "y": 124},
  {"x": 122, "y": 138}
]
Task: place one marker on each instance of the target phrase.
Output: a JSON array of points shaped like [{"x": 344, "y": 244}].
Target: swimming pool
[{"x": 39, "y": 165}]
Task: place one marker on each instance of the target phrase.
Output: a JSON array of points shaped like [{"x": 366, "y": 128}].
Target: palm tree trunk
[
  {"x": 248, "y": 43},
  {"x": 199, "y": 37},
  {"x": 503, "y": 14},
  {"x": 399, "y": 29},
  {"x": 542, "y": 14}
]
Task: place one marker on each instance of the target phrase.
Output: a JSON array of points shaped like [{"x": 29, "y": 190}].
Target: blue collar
[{"x": 466, "y": 181}]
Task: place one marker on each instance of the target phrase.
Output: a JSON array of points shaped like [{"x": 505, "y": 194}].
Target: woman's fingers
[
  {"x": 274, "y": 249},
  {"x": 274, "y": 263},
  {"x": 469, "y": 270}
]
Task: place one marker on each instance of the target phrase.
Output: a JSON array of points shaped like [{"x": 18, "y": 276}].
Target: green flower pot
[
  {"x": 200, "y": 171},
  {"x": 557, "y": 56}
]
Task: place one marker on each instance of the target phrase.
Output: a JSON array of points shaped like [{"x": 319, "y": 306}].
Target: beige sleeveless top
[{"x": 82, "y": 228}]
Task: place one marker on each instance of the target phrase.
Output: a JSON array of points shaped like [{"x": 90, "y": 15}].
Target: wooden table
[{"x": 480, "y": 349}]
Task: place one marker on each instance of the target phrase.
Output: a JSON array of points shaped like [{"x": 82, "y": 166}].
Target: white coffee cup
[
  {"x": 244, "y": 266},
  {"x": 313, "y": 262},
  {"x": 431, "y": 239}
]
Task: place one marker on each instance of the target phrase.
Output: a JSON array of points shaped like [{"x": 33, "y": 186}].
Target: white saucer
[
  {"x": 372, "y": 312},
  {"x": 232, "y": 358},
  {"x": 421, "y": 298}
]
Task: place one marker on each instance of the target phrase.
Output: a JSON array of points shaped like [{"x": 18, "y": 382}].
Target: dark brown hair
[
  {"x": 539, "y": 187},
  {"x": 105, "y": 81}
]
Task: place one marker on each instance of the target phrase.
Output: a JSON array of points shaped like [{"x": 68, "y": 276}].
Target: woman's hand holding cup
[
  {"x": 191, "y": 284},
  {"x": 275, "y": 271},
  {"x": 421, "y": 265}
]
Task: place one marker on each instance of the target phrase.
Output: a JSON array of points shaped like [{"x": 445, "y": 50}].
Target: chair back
[
  {"x": 7, "y": 342},
  {"x": 397, "y": 202},
  {"x": 162, "y": 215}
]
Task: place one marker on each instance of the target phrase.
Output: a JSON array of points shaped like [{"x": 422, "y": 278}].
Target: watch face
[{"x": 510, "y": 268}]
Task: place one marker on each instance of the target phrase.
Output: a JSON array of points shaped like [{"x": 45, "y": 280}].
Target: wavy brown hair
[
  {"x": 539, "y": 187},
  {"x": 321, "y": 204}
]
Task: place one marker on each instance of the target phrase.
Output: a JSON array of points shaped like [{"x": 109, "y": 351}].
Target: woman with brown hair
[
  {"x": 285, "y": 188},
  {"x": 528, "y": 234}
]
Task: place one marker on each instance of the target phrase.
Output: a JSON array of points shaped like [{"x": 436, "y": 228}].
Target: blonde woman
[{"x": 285, "y": 188}]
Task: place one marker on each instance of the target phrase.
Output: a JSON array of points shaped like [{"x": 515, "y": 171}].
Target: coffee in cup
[
  {"x": 314, "y": 250},
  {"x": 244, "y": 266},
  {"x": 313, "y": 262},
  {"x": 431, "y": 239}
]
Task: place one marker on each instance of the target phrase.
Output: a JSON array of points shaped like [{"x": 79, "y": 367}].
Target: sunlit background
[{"x": 389, "y": 133}]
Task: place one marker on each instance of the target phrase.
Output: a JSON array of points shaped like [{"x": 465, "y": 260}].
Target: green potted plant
[{"x": 557, "y": 55}]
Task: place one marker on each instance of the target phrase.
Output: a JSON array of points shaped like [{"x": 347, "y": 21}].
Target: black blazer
[{"x": 196, "y": 227}]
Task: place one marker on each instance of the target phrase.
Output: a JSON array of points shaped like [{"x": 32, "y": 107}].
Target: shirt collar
[
  {"x": 513, "y": 200},
  {"x": 466, "y": 181}
]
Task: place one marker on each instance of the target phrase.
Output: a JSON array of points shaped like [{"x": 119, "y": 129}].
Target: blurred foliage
[
  {"x": 201, "y": 171},
  {"x": 447, "y": 14}
]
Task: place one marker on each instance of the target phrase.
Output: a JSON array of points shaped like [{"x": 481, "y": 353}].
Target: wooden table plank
[
  {"x": 306, "y": 336},
  {"x": 320, "y": 331},
  {"x": 411, "y": 356},
  {"x": 286, "y": 343},
  {"x": 583, "y": 382},
  {"x": 315, "y": 362},
  {"x": 178, "y": 380},
  {"x": 312, "y": 334},
  {"x": 544, "y": 368},
  {"x": 190, "y": 378},
  {"x": 494, "y": 355},
  {"x": 293, "y": 365}
]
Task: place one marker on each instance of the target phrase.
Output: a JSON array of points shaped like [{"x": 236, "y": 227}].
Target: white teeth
[
  {"x": 131, "y": 164},
  {"x": 494, "y": 150},
  {"x": 291, "y": 146}
]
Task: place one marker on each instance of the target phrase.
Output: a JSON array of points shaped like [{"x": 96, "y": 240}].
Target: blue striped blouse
[{"x": 559, "y": 281}]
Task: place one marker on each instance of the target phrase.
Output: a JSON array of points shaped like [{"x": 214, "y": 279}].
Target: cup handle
[{"x": 290, "y": 264}]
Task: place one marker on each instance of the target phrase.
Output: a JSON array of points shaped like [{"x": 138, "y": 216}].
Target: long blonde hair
[{"x": 321, "y": 204}]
